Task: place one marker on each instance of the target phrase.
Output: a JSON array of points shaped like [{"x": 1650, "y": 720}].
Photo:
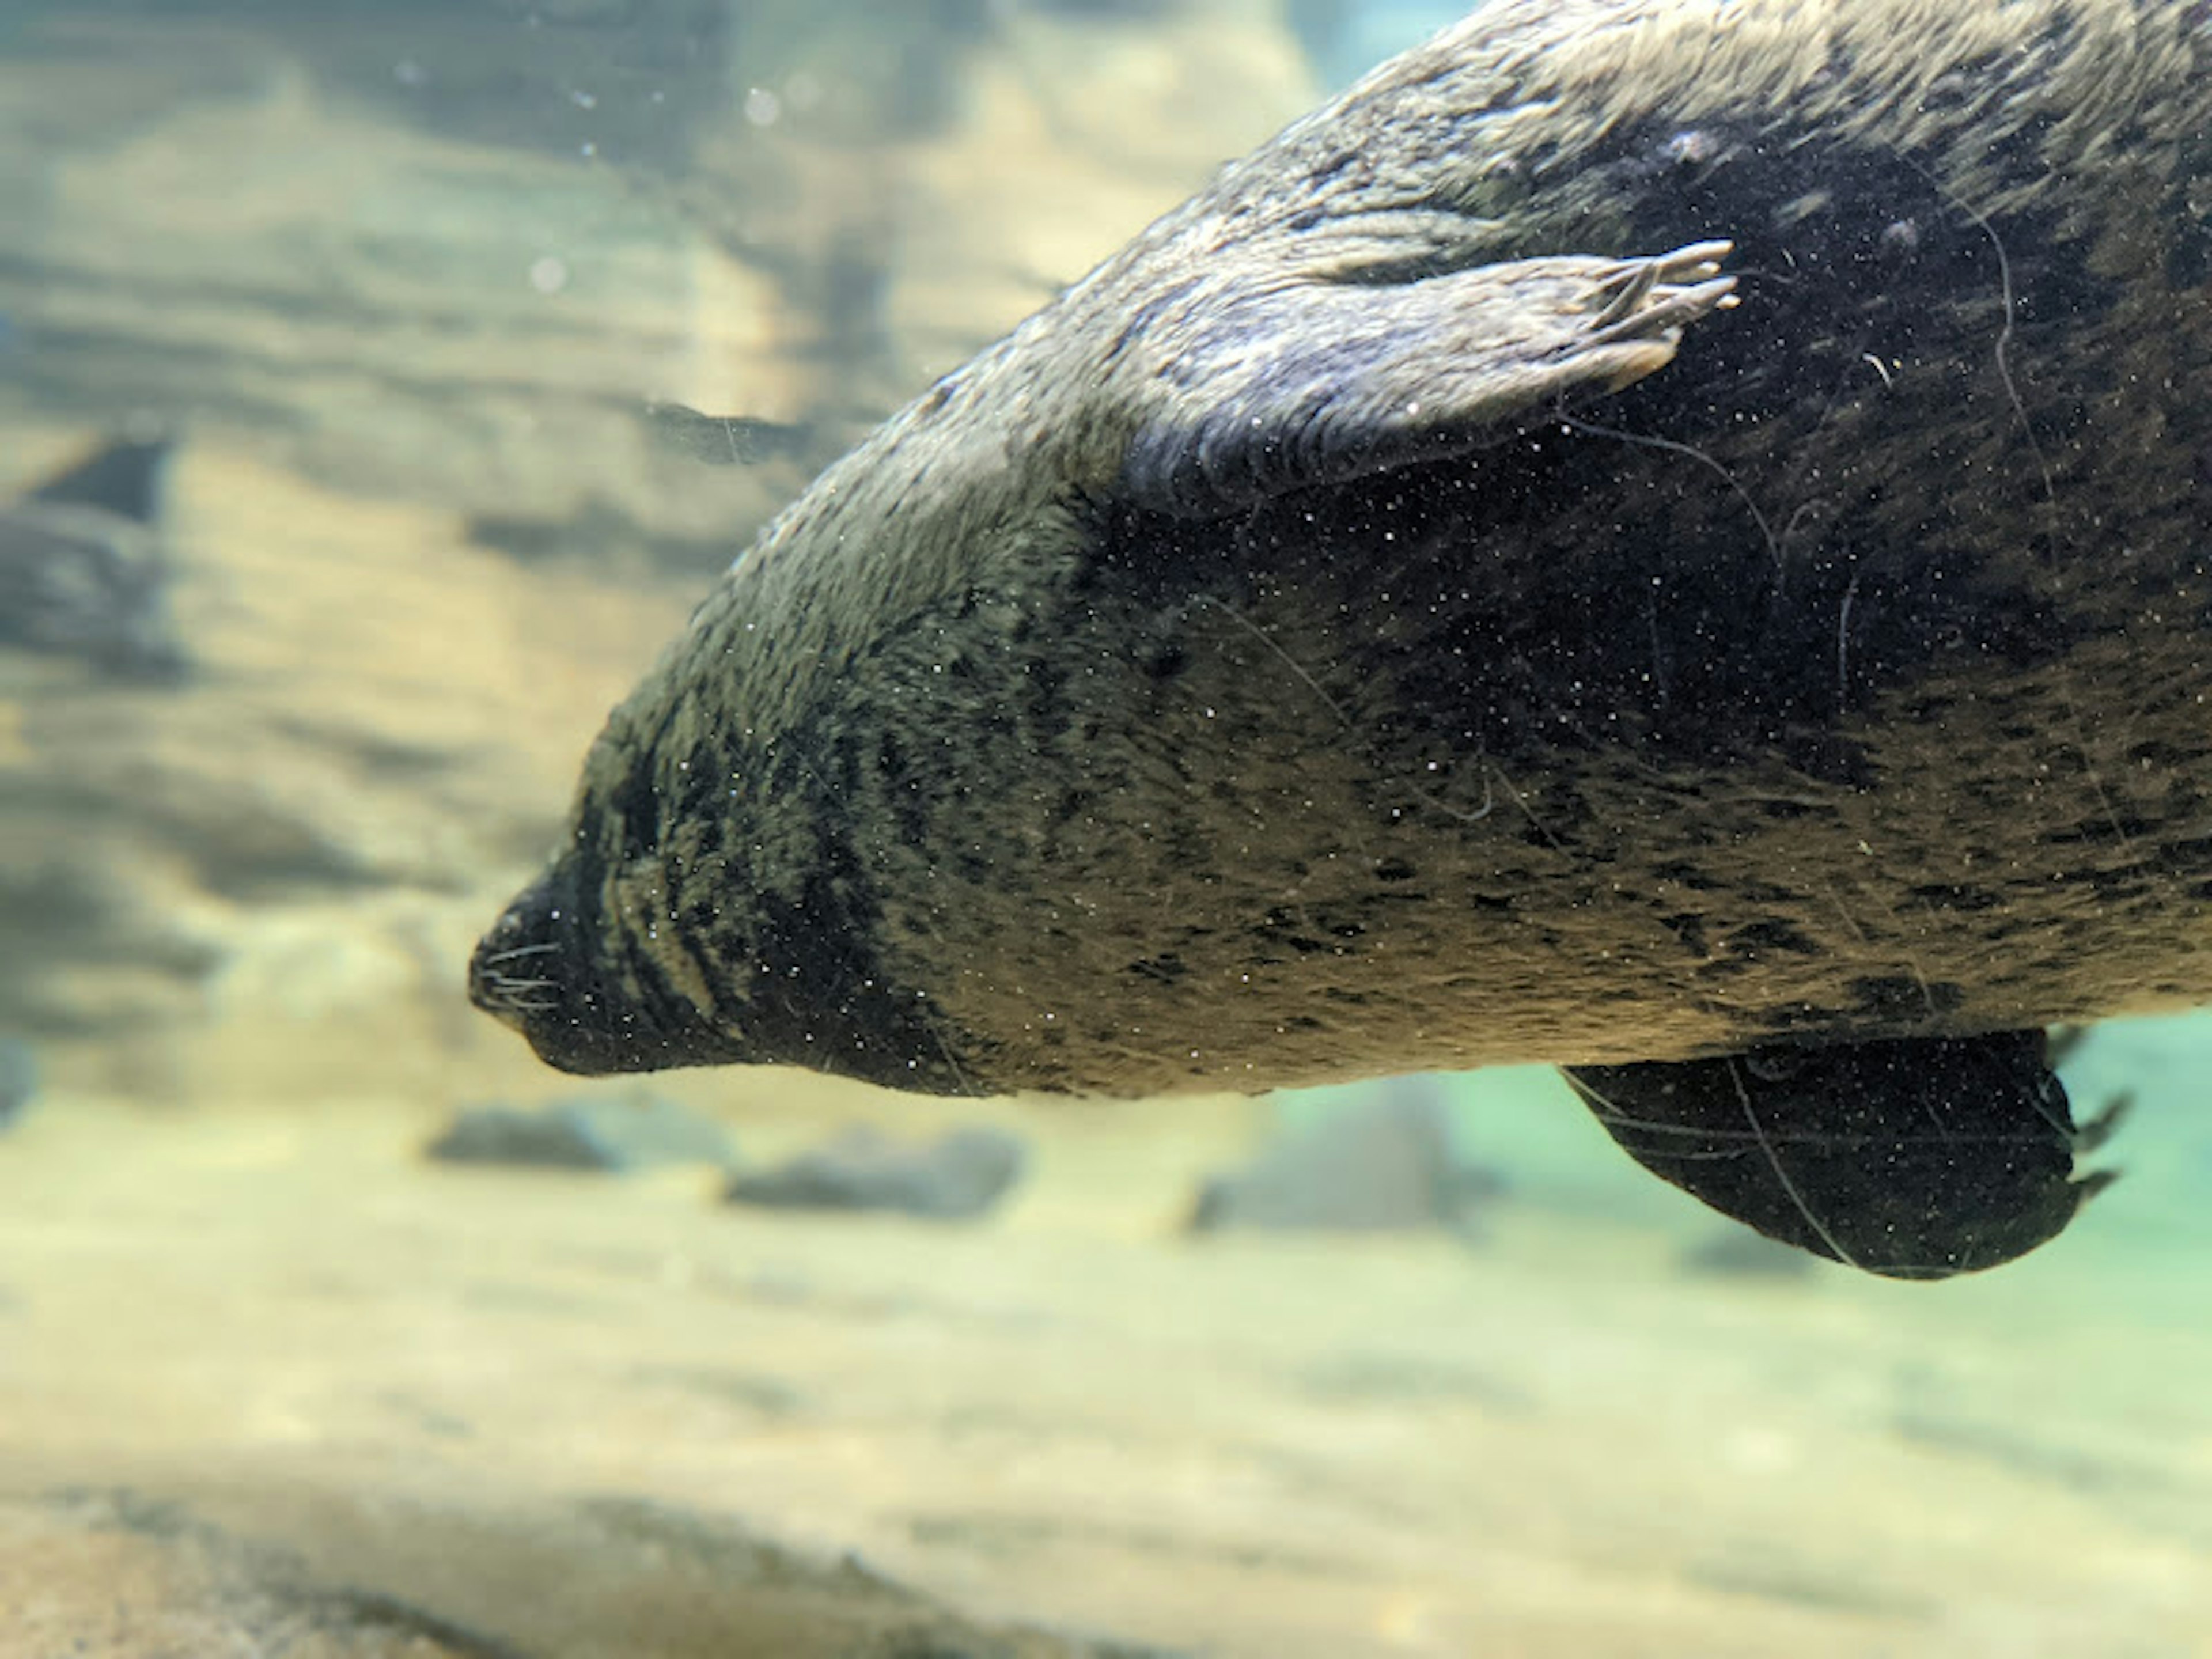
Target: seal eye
[{"x": 1913, "y": 1160}]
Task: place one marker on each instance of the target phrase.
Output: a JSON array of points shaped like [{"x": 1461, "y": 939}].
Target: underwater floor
[{"x": 276, "y": 1384}]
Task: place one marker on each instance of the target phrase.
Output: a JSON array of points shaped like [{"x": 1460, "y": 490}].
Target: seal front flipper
[
  {"x": 1282, "y": 387},
  {"x": 1913, "y": 1159}
]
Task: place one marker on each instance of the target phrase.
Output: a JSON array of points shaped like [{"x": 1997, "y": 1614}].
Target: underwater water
[{"x": 352, "y": 465}]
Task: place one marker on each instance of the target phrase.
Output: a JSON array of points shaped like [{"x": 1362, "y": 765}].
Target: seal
[{"x": 1648, "y": 532}]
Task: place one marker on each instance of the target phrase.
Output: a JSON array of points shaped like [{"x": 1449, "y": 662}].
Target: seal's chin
[{"x": 539, "y": 971}]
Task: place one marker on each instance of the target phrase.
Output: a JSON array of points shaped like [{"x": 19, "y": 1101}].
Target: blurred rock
[
  {"x": 117, "y": 1575},
  {"x": 83, "y": 572},
  {"x": 312, "y": 825},
  {"x": 1387, "y": 1163},
  {"x": 382, "y": 308},
  {"x": 18, "y": 1078},
  {"x": 121, "y": 1574},
  {"x": 449, "y": 252},
  {"x": 958, "y": 1177},
  {"x": 587, "y": 1132}
]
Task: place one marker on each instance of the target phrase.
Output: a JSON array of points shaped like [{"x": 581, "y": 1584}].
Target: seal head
[{"x": 710, "y": 909}]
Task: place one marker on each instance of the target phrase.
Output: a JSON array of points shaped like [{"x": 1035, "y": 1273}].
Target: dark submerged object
[
  {"x": 1389, "y": 619},
  {"x": 18, "y": 1078},
  {"x": 585, "y": 1132},
  {"x": 959, "y": 1177},
  {"x": 1386, "y": 1162},
  {"x": 82, "y": 569}
]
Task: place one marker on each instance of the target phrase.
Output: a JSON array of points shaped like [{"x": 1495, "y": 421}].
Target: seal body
[{"x": 1429, "y": 602}]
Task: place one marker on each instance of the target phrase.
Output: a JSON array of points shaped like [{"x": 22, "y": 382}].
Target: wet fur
[{"x": 1730, "y": 692}]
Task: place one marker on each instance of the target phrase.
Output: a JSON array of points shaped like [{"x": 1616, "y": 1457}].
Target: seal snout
[
  {"x": 514, "y": 972},
  {"x": 551, "y": 971},
  {"x": 533, "y": 971}
]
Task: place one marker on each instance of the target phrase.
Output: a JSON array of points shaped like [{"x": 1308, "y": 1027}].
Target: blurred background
[{"x": 347, "y": 477}]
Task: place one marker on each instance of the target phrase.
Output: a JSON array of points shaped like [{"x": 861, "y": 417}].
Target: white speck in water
[
  {"x": 583, "y": 100},
  {"x": 408, "y": 73},
  {"x": 550, "y": 275},
  {"x": 762, "y": 107}
]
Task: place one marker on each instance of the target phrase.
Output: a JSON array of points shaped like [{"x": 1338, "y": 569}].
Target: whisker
[
  {"x": 1774, "y": 1163},
  {"x": 518, "y": 950},
  {"x": 1590, "y": 427},
  {"x": 2005, "y": 333}
]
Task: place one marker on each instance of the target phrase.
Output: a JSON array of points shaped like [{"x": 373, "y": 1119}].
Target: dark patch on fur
[
  {"x": 1772, "y": 933},
  {"x": 1702, "y": 648}
]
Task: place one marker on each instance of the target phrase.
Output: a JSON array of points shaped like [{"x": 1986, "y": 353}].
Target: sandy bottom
[{"x": 270, "y": 1383}]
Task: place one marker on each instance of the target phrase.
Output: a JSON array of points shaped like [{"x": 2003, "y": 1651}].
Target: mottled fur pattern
[{"x": 1389, "y": 618}]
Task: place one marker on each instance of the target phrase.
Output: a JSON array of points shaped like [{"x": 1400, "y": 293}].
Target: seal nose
[
  {"x": 511, "y": 974},
  {"x": 551, "y": 970},
  {"x": 533, "y": 972}
]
